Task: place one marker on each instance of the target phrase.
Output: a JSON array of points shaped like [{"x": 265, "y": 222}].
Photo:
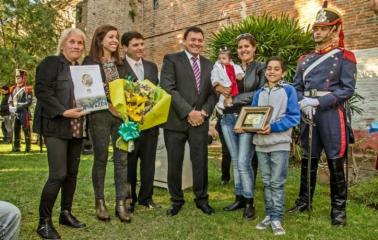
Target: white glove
[
  {"x": 305, "y": 102},
  {"x": 12, "y": 109},
  {"x": 309, "y": 111}
]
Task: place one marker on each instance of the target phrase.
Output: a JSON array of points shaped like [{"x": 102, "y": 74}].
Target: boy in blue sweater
[{"x": 273, "y": 141}]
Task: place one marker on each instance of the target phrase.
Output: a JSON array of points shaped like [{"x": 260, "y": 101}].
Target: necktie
[
  {"x": 197, "y": 72},
  {"x": 139, "y": 70}
]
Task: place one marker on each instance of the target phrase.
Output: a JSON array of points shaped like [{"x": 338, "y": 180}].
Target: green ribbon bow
[{"x": 129, "y": 131}]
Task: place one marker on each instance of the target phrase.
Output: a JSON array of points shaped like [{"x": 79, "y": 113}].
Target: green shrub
[
  {"x": 366, "y": 192},
  {"x": 275, "y": 36}
]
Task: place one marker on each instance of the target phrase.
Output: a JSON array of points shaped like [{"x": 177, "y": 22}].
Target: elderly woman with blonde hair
[{"x": 62, "y": 126}]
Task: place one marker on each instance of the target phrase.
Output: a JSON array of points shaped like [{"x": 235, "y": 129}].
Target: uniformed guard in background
[
  {"x": 19, "y": 101},
  {"x": 325, "y": 80}
]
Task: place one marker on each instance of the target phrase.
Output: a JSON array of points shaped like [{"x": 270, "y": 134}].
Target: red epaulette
[
  {"x": 348, "y": 55},
  {"x": 301, "y": 58},
  {"x": 29, "y": 89},
  {"x": 11, "y": 88}
]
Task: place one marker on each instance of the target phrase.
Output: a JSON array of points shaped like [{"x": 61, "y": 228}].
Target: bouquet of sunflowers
[{"x": 142, "y": 105}]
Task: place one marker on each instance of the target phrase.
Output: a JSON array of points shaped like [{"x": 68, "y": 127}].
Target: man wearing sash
[
  {"x": 19, "y": 101},
  {"x": 325, "y": 80}
]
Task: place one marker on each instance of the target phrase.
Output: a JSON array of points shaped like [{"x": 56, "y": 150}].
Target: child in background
[
  {"x": 225, "y": 72},
  {"x": 273, "y": 141}
]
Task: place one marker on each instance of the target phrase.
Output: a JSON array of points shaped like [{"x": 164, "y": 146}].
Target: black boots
[
  {"x": 27, "y": 135},
  {"x": 239, "y": 203},
  {"x": 66, "y": 218},
  {"x": 249, "y": 210},
  {"x": 46, "y": 229},
  {"x": 16, "y": 145},
  {"x": 17, "y": 142},
  {"x": 101, "y": 210},
  {"x": 301, "y": 204},
  {"x": 246, "y": 203},
  {"x": 338, "y": 191}
]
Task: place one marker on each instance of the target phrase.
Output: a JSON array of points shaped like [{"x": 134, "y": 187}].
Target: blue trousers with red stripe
[{"x": 329, "y": 133}]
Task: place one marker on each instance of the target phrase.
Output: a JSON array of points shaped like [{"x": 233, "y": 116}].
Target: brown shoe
[
  {"x": 101, "y": 211},
  {"x": 121, "y": 211}
]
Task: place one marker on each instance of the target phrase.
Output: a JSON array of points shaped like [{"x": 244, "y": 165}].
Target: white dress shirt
[
  {"x": 137, "y": 67},
  {"x": 189, "y": 55}
]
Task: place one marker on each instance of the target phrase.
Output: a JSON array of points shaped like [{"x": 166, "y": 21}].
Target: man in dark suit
[
  {"x": 145, "y": 145},
  {"x": 186, "y": 76}
]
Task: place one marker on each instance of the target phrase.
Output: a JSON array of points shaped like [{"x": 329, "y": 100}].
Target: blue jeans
[
  {"x": 10, "y": 221},
  {"x": 241, "y": 150},
  {"x": 273, "y": 167}
]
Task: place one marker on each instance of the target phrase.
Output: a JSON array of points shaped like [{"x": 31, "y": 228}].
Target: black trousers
[
  {"x": 175, "y": 144},
  {"x": 226, "y": 157},
  {"x": 145, "y": 150},
  {"x": 17, "y": 135},
  {"x": 103, "y": 126},
  {"x": 64, "y": 158}
]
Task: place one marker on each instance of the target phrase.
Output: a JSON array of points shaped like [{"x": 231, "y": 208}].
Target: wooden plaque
[{"x": 253, "y": 119}]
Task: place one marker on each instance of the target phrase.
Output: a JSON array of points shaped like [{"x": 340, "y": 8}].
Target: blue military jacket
[{"x": 336, "y": 74}]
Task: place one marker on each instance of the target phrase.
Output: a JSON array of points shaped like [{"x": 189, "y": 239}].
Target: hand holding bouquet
[{"x": 141, "y": 105}]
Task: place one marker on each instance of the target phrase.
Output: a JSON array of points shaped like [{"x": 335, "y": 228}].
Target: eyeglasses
[{"x": 245, "y": 35}]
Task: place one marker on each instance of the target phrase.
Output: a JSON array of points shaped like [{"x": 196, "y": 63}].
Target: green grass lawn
[{"x": 23, "y": 175}]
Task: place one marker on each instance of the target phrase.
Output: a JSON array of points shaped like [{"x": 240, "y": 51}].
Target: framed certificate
[
  {"x": 253, "y": 119},
  {"x": 88, "y": 87}
]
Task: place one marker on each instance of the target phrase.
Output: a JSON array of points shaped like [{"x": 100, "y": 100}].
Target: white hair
[{"x": 65, "y": 34}]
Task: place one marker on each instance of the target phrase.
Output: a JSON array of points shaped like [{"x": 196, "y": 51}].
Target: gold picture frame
[{"x": 253, "y": 119}]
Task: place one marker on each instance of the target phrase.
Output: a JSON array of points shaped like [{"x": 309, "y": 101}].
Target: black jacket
[
  {"x": 54, "y": 92},
  {"x": 254, "y": 79},
  {"x": 177, "y": 78},
  {"x": 150, "y": 71},
  {"x": 4, "y": 105}
]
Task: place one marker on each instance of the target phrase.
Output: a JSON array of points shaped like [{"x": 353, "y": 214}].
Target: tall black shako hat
[
  {"x": 330, "y": 17},
  {"x": 21, "y": 73}
]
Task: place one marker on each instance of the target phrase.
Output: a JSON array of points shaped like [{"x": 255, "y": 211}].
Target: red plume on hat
[
  {"x": 330, "y": 17},
  {"x": 325, "y": 4}
]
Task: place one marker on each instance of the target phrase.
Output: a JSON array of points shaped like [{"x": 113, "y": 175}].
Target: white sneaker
[
  {"x": 264, "y": 223},
  {"x": 277, "y": 228}
]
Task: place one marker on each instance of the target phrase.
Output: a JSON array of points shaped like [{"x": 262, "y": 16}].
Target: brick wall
[
  {"x": 99, "y": 12},
  {"x": 360, "y": 26},
  {"x": 361, "y": 22}
]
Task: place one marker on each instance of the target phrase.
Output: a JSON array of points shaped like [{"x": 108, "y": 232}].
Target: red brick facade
[{"x": 360, "y": 20}]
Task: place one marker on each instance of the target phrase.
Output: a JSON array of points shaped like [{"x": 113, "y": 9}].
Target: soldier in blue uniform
[
  {"x": 325, "y": 80},
  {"x": 19, "y": 101}
]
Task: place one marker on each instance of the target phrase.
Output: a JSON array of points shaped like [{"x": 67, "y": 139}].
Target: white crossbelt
[
  {"x": 319, "y": 61},
  {"x": 316, "y": 93}
]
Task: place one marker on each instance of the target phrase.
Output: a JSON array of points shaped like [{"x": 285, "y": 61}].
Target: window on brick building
[{"x": 155, "y": 4}]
